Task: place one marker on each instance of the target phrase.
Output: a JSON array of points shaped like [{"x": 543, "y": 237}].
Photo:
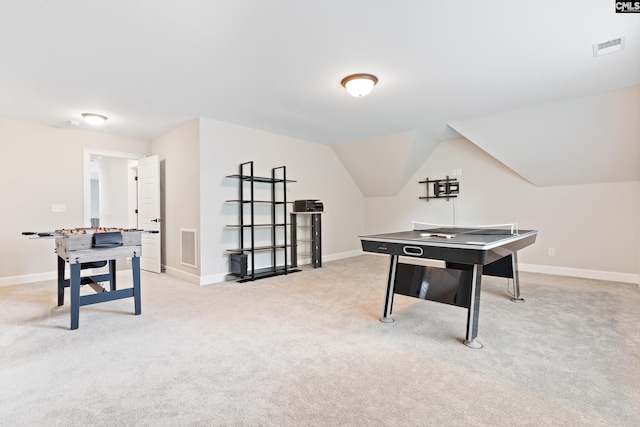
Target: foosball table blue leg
[
  {"x": 112, "y": 274},
  {"x": 74, "y": 285},
  {"x": 61, "y": 265},
  {"x": 135, "y": 267}
]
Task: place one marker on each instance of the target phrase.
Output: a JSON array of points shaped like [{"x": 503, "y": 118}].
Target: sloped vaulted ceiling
[
  {"x": 382, "y": 166},
  {"x": 593, "y": 139},
  {"x": 266, "y": 65}
]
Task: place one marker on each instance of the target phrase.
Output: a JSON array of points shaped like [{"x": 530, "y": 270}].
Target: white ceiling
[
  {"x": 277, "y": 65},
  {"x": 518, "y": 79}
]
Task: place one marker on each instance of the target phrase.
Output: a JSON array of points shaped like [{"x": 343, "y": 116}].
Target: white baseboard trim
[
  {"x": 585, "y": 274},
  {"x": 189, "y": 277},
  {"x": 193, "y": 278},
  {"x": 224, "y": 277},
  {"x": 28, "y": 278},
  {"x": 220, "y": 278},
  {"x": 342, "y": 255},
  {"x": 212, "y": 279},
  {"x": 571, "y": 272}
]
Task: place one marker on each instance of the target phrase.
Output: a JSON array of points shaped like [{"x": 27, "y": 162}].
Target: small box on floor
[{"x": 238, "y": 265}]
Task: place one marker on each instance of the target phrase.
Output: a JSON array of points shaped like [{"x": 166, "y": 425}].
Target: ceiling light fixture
[
  {"x": 94, "y": 119},
  {"x": 359, "y": 84}
]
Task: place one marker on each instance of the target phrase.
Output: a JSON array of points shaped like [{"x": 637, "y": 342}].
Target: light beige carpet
[{"x": 307, "y": 349}]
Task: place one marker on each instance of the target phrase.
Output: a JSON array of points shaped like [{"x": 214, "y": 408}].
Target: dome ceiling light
[
  {"x": 359, "y": 84},
  {"x": 94, "y": 119}
]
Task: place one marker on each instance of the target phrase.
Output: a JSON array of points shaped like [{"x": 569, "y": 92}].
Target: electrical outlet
[
  {"x": 459, "y": 172},
  {"x": 552, "y": 252},
  {"x": 58, "y": 208}
]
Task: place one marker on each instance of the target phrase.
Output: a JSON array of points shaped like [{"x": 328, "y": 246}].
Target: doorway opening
[
  {"x": 110, "y": 190},
  {"x": 122, "y": 190}
]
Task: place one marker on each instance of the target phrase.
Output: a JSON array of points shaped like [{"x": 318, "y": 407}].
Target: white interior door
[{"x": 149, "y": 212}]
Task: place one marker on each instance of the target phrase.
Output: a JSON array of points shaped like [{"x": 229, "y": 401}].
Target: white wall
[
  {"x": 179, "y": 154},
  {"x": 41, "y": 166},
  {"x": 593, "y": 228},
  {"x": 315, "y": 168}
]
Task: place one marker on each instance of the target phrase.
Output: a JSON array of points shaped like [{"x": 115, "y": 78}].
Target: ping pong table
[{"x": 468, "y": 253}]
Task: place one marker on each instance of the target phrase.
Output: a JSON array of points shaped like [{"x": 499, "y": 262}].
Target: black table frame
[{"x": 498, "y": 258}]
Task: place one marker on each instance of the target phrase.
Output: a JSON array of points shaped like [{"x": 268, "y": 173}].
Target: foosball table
[{"x": 88, "y": 248}]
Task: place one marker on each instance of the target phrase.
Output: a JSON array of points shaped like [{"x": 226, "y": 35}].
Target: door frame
[{"x": 86, "y": 178}]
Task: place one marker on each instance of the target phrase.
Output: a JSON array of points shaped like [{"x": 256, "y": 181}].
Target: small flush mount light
[
  {"x": 94, "y": 119},
  {"x": 359, "y": 84}
]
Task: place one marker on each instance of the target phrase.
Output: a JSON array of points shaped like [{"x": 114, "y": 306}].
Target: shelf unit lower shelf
[
  {"x": 263, "y": 273},
  {"x": 256, "y": 249}
]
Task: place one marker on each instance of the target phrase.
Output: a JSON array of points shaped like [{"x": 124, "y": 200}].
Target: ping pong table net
[{"x": 449, "y": 231}]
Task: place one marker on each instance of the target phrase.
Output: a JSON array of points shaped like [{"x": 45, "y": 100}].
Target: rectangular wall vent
[
  {"x": 188, "y": 248},
  {"x": 610, "y": 46}
]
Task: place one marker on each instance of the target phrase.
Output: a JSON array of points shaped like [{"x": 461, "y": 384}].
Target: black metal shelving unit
[
  {"x": 312, "y": 238},
  {"x": 244, "y": 256}
]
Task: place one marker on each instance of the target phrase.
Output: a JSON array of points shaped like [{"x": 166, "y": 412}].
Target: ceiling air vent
[{"x": 610, "y": 46}]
